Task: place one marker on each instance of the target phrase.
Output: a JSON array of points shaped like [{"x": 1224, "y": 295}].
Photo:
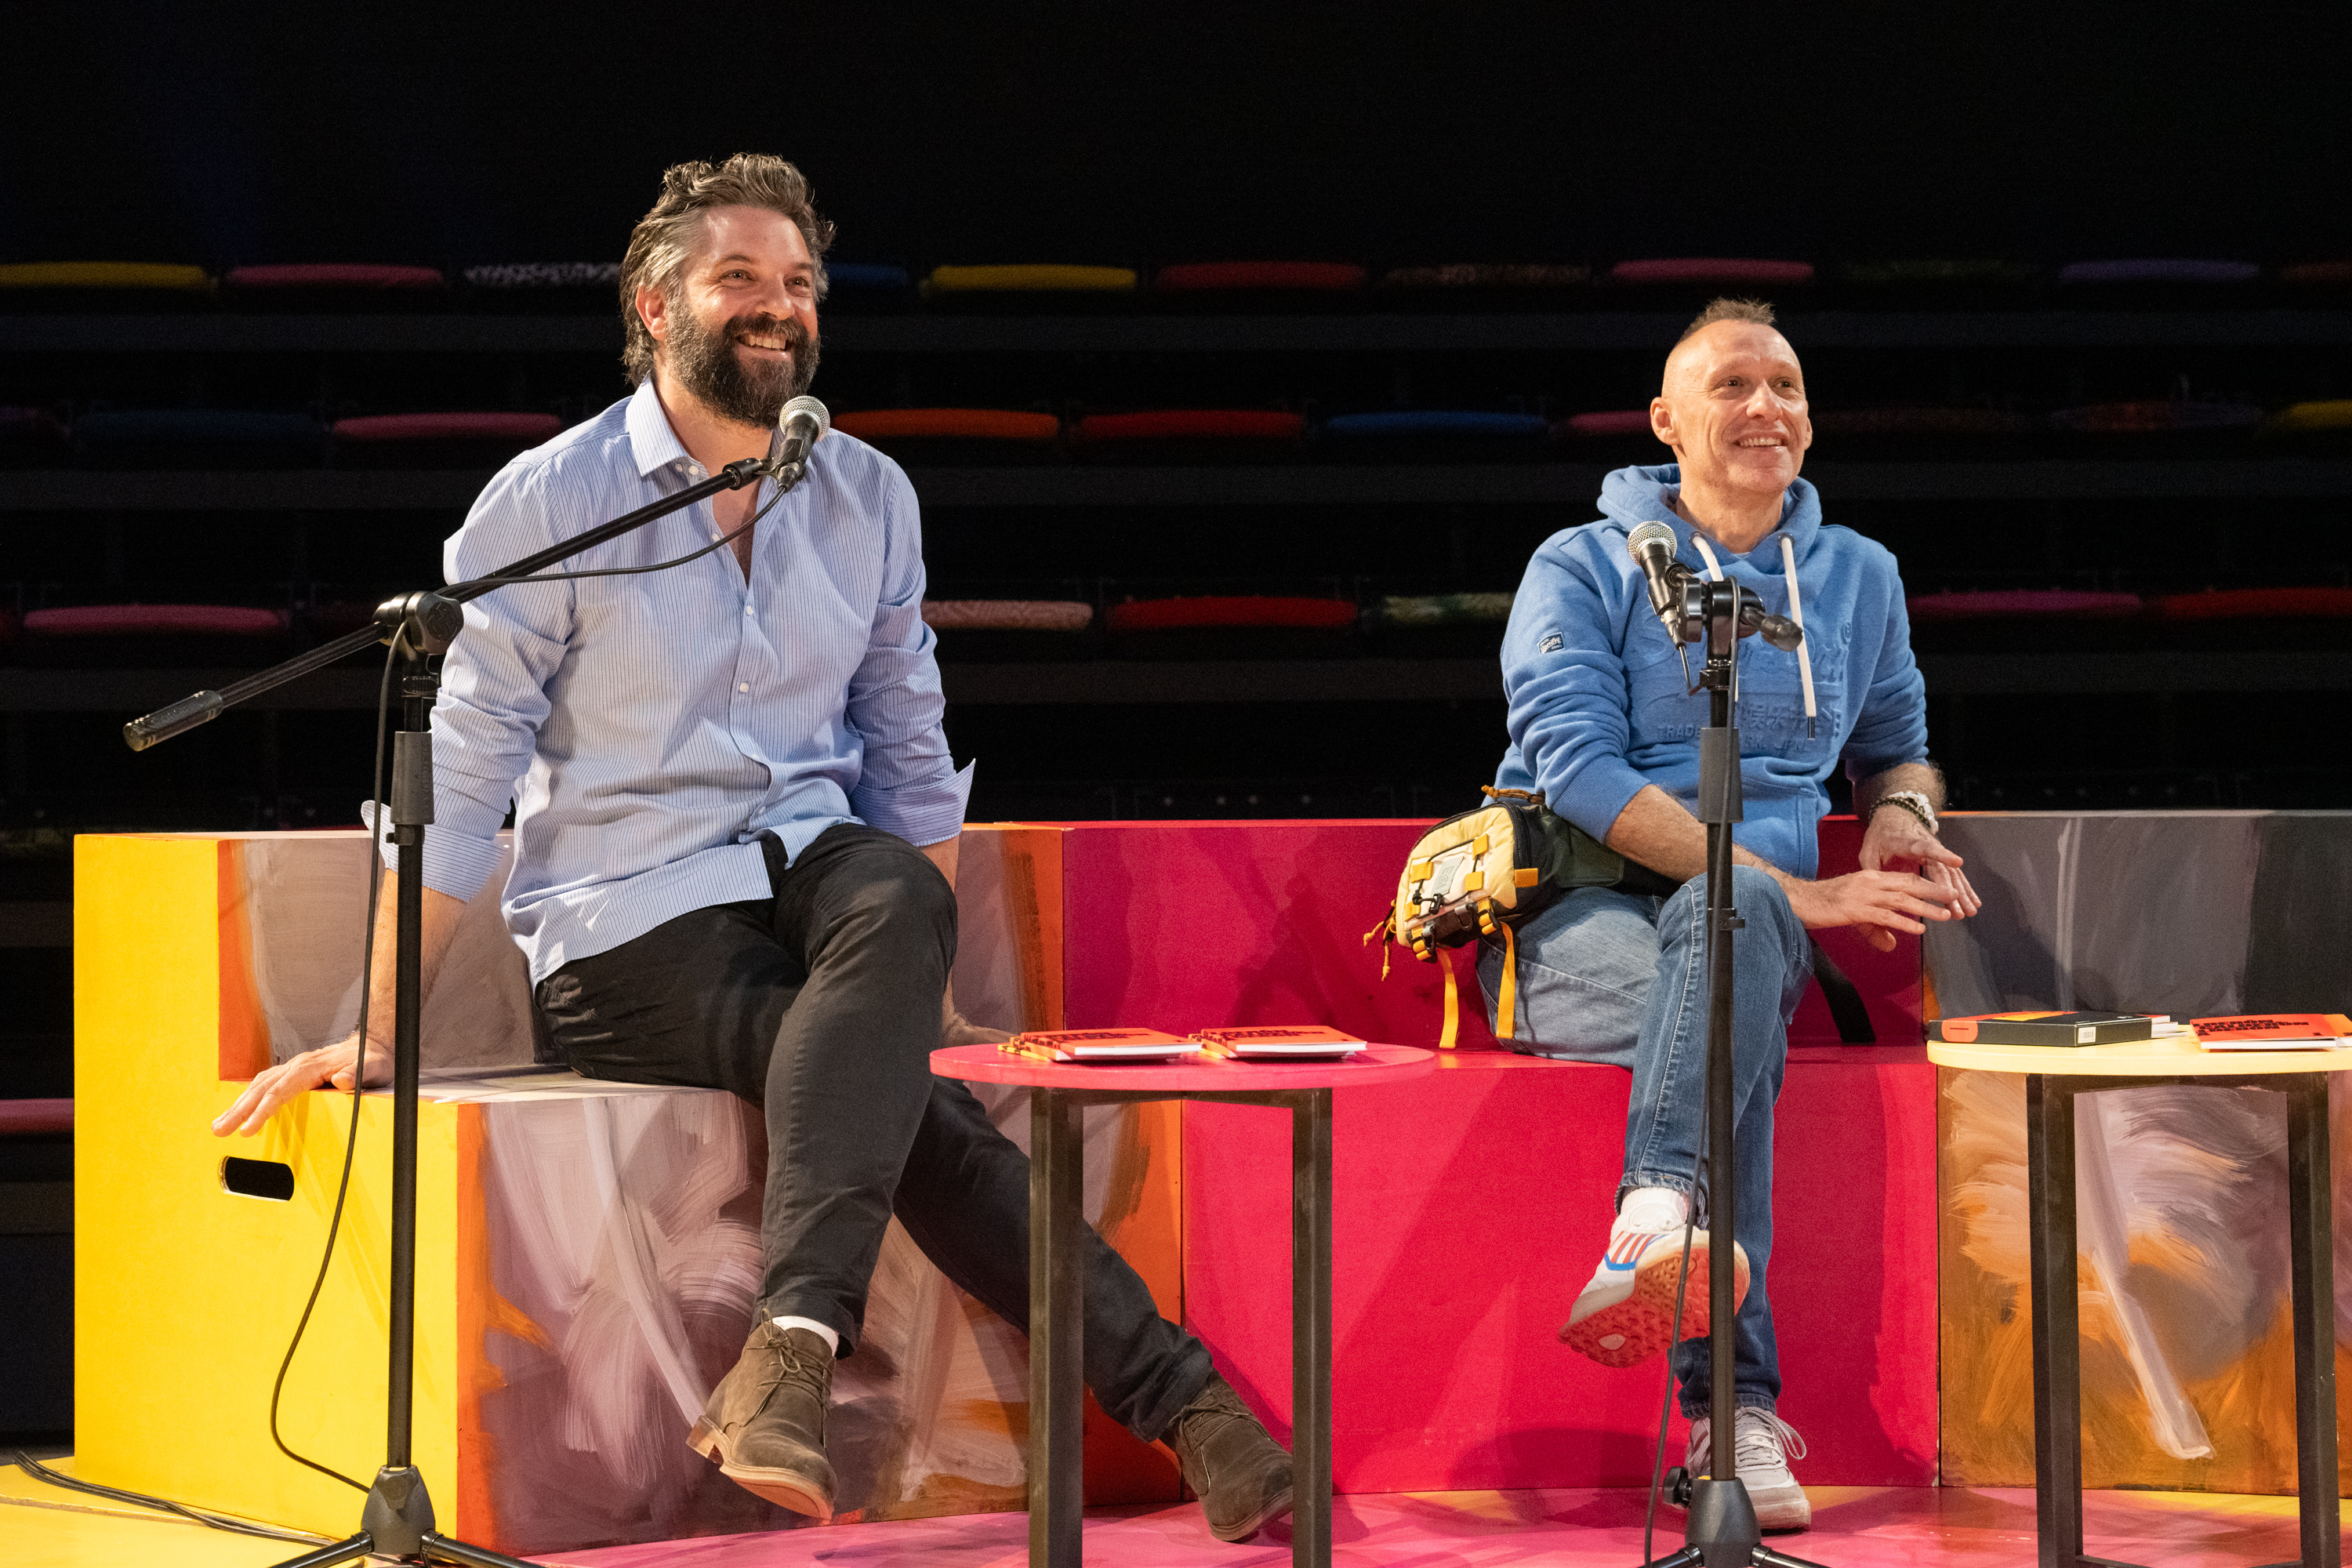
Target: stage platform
[{"x": 1854, "y": 1527}]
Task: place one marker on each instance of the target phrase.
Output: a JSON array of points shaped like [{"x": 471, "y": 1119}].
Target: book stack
[{"x": 1269, "y": 1043}]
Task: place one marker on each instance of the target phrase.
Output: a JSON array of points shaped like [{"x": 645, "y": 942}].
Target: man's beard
[{"x": 708, "y": 365}]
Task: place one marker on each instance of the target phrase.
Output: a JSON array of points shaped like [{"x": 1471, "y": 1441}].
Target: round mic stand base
[{"x": 1720, "y": 1530}]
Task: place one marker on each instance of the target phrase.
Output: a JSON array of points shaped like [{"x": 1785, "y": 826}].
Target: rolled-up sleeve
[
  {"x": 494, "y": 681},
  {"x": 1891, "y": 728},
  {"x": 908, "y": 783},
  {"x": 1569, "y": 715}
]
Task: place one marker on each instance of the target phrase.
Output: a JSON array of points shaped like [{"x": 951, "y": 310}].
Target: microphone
[
  {"x": 800, "y": 427},
  {"x": 1653, "y": 546}
]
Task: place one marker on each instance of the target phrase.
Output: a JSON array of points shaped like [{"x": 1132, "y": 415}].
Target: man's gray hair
[
  {"x": 664, "y": 239},
  {"x": 1728, "y": 309}
]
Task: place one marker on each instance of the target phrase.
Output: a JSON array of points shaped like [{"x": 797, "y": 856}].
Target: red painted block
[
  {"x": 1469, "y": 1209},
  {"x": 1471, "y": 1205}
]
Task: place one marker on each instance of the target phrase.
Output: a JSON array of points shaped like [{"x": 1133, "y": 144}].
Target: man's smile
[
  {"x": 764, "y": 343},
  {"x": 1763, "y": 441}
]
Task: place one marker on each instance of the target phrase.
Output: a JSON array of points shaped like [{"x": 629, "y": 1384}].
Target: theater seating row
[
  {"x": 1217, "y": 285},
  {"x": 235, "y": 439},
  {"x": 1228, "y": 625}
]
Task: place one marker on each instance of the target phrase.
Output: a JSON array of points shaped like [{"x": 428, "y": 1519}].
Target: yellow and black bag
[{"x": 1485, "y": 872}]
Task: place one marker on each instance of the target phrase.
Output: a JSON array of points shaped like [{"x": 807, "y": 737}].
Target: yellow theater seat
[
  {"x": 103, "y": 275},
  {"x": 1031, "y": 279}
]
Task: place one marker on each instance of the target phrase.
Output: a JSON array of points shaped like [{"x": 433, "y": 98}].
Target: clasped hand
[{"x": 1908, "y": 877}]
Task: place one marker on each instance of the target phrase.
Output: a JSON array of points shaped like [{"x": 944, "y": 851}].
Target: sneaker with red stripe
[{"x": 1625, "y": 1315}]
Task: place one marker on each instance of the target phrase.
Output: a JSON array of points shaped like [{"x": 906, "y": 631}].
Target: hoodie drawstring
[{"x": 1796, "y": 612}]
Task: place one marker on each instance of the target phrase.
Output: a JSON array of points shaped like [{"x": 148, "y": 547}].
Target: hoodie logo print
[{"x": 1553, "y": 643}]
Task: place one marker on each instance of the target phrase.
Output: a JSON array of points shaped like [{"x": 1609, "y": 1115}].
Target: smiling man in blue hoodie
[{"x": 1601, "y": 722}]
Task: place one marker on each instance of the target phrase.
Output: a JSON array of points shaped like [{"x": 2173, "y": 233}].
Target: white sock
[
  {"x": 1653, "y": 1208},
  {"x": 831, "y": 1338}
]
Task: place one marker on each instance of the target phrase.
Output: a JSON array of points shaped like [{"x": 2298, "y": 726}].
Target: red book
[
  {"x": 2274, "y": 1032},
  {"x": 1099, "y": 1046},
  {"x": 1278, "y": 1041}
]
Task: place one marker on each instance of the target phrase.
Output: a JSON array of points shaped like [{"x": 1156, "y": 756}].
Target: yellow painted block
[{"x": 186, "y": 1294}]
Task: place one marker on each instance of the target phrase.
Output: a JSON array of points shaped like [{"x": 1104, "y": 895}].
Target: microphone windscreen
[
  {"x": 1650, "y": 534},
  {"x": 809, "y": 407}
]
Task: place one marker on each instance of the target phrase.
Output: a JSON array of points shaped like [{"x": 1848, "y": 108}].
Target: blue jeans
[{"x": 1621, "y": 979}]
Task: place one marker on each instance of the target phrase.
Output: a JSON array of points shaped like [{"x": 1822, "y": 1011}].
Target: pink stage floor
[{"x": 1854, "y": 1527}]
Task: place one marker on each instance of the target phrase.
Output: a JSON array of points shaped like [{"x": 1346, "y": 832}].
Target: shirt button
[{"x": 742, "y": 686}]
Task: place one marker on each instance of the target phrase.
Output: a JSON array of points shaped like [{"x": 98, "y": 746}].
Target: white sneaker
[
  {"x": 1626, "y": 1313},
  {"x": 1761, "y": 1447}
]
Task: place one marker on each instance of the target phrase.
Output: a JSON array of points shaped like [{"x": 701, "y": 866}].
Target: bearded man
[
  {"x": 736, "y": 821},
  {"x": 1602, "y": 723}
]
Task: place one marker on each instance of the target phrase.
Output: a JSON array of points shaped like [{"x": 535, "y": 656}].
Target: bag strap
[
  {"x": 1846, "y": 1006},
  {"x": 1506, "y": 1004}
]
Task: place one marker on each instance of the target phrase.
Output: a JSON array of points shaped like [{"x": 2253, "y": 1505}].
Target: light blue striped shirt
[{"x": 648, "y": 729}]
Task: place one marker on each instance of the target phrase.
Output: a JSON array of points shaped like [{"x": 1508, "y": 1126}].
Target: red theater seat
[
  {"x": 1010, "y": 629},
  {"x": 439, "y": 440},
  {"x": 956, "y": 434},
  {"x": 162, "y": 636},
  {"x": 1611, "y": 434},
  {"x": 2288, "y": 617}
]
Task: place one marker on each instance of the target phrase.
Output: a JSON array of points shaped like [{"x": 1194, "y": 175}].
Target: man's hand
[
  {"x": 1897, "y": 840},
  {"x": 298, "y": 1075},
  {"x": 1882, "y": 902},
  {"x": 955, "y": 1030}
]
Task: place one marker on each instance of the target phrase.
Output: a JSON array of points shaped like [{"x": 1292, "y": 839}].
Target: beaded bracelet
[{"x": 1911, "y": 801}]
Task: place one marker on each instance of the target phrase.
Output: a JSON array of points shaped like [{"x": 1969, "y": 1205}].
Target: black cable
[
  {"x": 620, "y": 571},
  {"x": 32, "y": 1467},
  {"x": 1674, "y": 1338},
  {"x": 359, "y": 1070}
]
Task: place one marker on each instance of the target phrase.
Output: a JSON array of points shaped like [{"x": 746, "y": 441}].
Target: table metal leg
[
  {"x": 1056, "y": 1330},
  {"x": 2057, "y": 1324},
  {"x": 1310, "y": 1331},
  {"x": 2312, "y": 1250}
]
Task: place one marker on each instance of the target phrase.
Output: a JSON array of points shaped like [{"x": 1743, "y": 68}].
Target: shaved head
[{"x": 1689, "y": 361}]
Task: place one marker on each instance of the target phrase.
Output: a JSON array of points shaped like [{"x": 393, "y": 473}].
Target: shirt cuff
[
  {"x": 926, "y": 813},
  {"x": 453, "y": 863}
]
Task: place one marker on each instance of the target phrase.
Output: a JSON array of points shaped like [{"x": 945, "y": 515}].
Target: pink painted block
[{"x": 1469, "y": 1207}]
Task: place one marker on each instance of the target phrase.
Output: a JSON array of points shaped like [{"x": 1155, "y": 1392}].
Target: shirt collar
[{"x": 651, "y": 441}]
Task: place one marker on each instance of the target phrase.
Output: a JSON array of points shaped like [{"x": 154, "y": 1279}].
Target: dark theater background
[{"x": 2073, "y": 286}]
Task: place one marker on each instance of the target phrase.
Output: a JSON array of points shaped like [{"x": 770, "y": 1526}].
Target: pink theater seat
[
  {"x": 2301, "y": 616},
  {"x": 439, "y": 440},
  {"x": 2027, "y": 620},
  {"x": 1232, "y": 610},
  {"x": 23, "y": 1118},
  {"x": 1711, "y": 272},
  {"x": 335, "y": 285}
]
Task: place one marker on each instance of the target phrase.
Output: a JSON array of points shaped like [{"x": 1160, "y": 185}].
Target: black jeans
[{"x": 822, "y": 1006}]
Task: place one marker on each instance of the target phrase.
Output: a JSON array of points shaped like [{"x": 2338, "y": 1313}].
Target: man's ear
[
  {"x": 1662, "y": 420},
  {"x": 652, "y": 309}
]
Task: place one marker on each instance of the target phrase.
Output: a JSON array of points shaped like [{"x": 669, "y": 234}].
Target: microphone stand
[
  {"x": 396, "y": 1520},
  {"x": 1720, "y": 1530}
]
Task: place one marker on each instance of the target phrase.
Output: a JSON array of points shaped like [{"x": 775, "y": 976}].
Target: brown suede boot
[
  {"x": 766, "y": 1422},
  {"x": 1234, "y": 1466}
]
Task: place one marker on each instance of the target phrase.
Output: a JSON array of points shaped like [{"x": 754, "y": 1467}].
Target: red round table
[{"x": 1060, "y": 1090}]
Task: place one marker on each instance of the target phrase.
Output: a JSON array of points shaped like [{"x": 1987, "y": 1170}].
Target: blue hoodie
[{"x": 1599, "y": 707}]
